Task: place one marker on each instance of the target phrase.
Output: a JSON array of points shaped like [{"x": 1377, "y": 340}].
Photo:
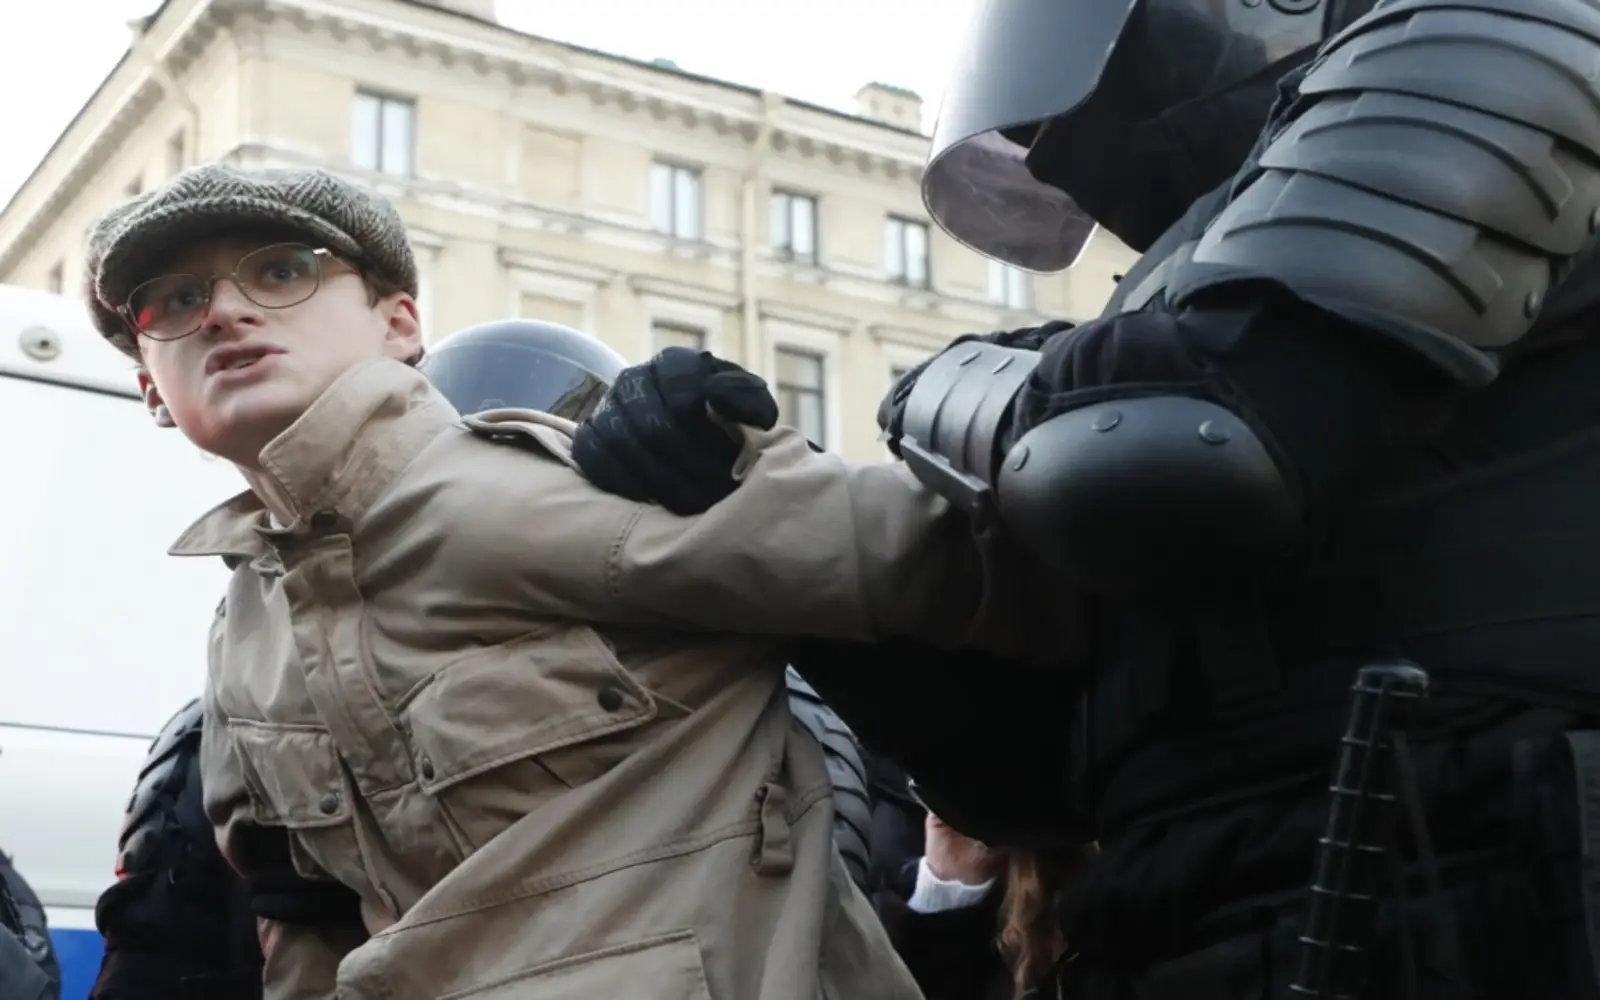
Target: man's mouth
[{"x": 230, "y": 359}]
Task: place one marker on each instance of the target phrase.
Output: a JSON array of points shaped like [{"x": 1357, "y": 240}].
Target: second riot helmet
[{"x": 522, "y": 363}]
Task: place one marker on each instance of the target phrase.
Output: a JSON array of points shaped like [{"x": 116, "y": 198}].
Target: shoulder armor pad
[
  {"x": 173, "y": 754},
  {"x": 852, "y": 805},
  {"x": 1439, "y": 169}
]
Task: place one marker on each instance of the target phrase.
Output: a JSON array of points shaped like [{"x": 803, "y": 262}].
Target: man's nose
[{"x": 229, "y": 310}]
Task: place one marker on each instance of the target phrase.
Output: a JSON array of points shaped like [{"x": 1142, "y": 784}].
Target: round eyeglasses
[{"x": 173, "y": 306}]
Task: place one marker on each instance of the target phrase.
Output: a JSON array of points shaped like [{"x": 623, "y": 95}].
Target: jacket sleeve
[{"x": 808, "y": 546}]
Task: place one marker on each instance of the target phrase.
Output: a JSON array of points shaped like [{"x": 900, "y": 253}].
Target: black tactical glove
[
  {"x": 891, "y": 412},
  {"x": 653, "y": 438},
  {"x": 279, "y": 892}
]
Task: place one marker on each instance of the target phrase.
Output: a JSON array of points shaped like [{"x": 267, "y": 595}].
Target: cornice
[
  {"x": 588, "y": 274},
  {"x": 644, "y": 284},
  {"x": 803, "y": 316},
  {"x": 530, "y": 63},
  {"x": 908, "y": 337}
]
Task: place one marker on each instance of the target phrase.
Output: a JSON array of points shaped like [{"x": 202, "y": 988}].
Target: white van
[{"x": 102, "y": 635}]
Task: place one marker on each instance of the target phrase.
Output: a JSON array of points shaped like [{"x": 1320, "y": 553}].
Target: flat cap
[{"x": 207, "y": 201}]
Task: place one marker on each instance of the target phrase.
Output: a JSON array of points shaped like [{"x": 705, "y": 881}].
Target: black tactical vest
[{"x": 1479, "y": 560}]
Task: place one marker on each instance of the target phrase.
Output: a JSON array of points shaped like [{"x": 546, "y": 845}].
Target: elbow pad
[
  {"x": 1439, "y": 171},
  {"x": 1129, "y": 495}
]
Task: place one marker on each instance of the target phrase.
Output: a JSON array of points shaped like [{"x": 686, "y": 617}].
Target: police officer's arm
[
  {"x": 1385, "y": 253},
  {"x": 1152, "y": 449}
]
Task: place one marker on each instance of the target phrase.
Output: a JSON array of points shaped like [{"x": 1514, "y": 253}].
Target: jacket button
[
  {"x": 611, "y": 699},
  {"x": 324, "y": 520},
  {"x": 329, "y": 804},
  {"x": 427, "y": 769}
]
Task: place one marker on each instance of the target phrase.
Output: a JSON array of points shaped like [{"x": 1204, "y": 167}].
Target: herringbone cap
[{"x": 207, "y": 201}]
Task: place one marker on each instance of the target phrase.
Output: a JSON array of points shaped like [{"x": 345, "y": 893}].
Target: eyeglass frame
[{"x": 318, "y": 253}]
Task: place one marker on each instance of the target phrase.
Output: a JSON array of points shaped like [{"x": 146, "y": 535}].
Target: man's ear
[
  {"x": 152, "y": 401},
  {"x": 404, "y": 339}
]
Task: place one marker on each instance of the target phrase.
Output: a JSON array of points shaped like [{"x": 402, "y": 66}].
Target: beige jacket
[{"x": 534, "y": 807}]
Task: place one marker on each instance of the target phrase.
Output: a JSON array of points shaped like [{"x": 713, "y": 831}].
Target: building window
[
  {"x": 905, "y": 251},
  {"x": 665, "y": 335},
  {"x": 794, "y": 226},
  {"x": 177, "y": 153},
  {"x": 383, "y": 133},
  {"x": 801, "y": 394},
  {"x": 55, "y": 281},
  {"x": 675, "y": 200},
  {"x": 1010, "y": 287}
]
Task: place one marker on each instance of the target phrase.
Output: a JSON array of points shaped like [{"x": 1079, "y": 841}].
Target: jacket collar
[{"x": 330, "y": 465}]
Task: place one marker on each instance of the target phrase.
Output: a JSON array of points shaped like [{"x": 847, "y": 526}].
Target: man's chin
[{"x": 243, "y": 427}]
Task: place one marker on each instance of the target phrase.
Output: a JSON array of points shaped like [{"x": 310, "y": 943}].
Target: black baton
[{"x": 1353, "y": 856}]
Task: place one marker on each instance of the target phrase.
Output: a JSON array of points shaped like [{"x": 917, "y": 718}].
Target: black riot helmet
[
  {"x": 1065, "y": 114},
  {"x": 525, "y": 364}
]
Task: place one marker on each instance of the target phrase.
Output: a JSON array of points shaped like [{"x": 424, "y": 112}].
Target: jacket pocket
[
  {"x": 667, "y": 967},
  {"x": 293, "y": 775},
  {"x": 546, "y": 712},
  {"x": 296, "y": 782}
]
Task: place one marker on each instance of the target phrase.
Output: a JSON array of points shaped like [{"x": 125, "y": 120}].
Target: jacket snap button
[
  {"x": 427, "y": 769},
  {"x": 323, "y": 520},
  {"x": 611, "y": 699},
  {"x": 329, "y": 804}
]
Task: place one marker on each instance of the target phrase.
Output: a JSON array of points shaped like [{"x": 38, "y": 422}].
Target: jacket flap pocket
[
  {"x": 667, "y": 967},
  {"x": 534, "y": 695},
  {"x": 293, "y": 774},
  {"x": 548, "y": 434}
]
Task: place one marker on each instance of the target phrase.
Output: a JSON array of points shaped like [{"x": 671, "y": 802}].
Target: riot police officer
[
  {"x": 1342, "y": 410},
  {"x": 179, "y": 922},
  {"x": 29, "y": 969}
]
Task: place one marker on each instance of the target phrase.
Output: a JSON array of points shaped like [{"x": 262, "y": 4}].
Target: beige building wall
[{"x": 636, "y": 202}]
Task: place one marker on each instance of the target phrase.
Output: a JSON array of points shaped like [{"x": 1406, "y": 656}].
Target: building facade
[{"x": 642, "y": 204}]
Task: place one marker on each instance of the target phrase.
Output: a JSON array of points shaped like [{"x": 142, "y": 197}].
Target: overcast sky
[{"x": 822, "y": 55}]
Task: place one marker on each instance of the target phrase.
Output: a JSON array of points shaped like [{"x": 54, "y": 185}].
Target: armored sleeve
[
  {"x": 1437, "y": 172},
  {"x": 177, "y": 918},
  {"x": 852, "y": 803}
]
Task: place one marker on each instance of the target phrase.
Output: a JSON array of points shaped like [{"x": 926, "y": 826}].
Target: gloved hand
[
  {"x": 279, "y": 893},
  {"x": 892, "y": 411},
  {"x": 653, "y": 438}
]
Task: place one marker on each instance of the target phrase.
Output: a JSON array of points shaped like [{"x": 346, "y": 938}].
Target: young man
[{"x": 538, "y": 729}]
